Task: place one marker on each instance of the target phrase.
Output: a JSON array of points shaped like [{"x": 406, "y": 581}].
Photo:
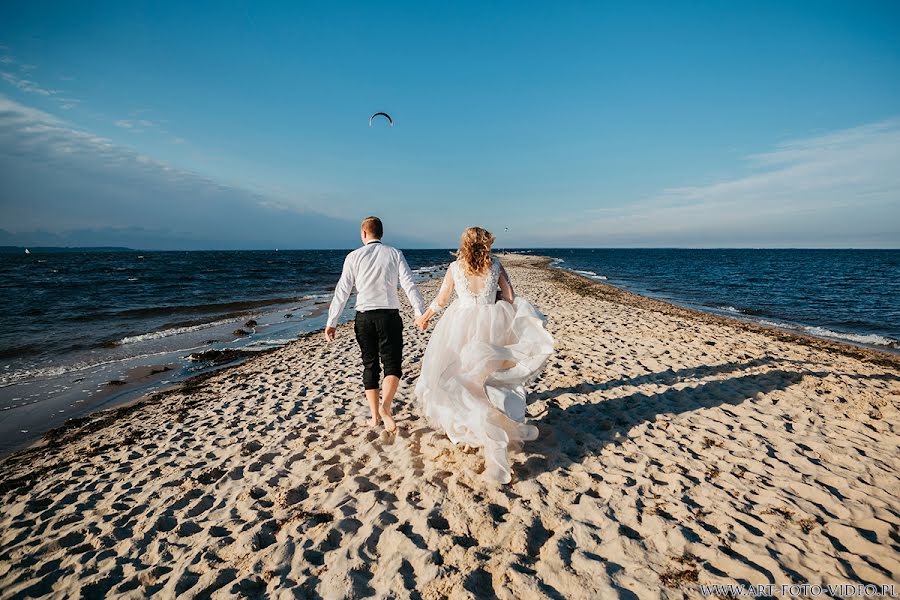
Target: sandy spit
[{"x": 675, "y": 449}]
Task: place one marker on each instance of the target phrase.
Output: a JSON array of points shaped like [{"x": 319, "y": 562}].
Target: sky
[{"x": 189, "y": 125}]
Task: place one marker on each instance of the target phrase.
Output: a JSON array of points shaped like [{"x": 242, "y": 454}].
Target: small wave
[
  {"x": 870, "y": 339},
  {"x": 270, "y": 343},
  {"x": 429, "y": 269},
  {"x": 152, "y": 311},
  {"x": 49, "y": 372},
  {"x": 24, "y": 374},
  {"x": 730, "y": 309},
  {"x": 155, "y": 335},
  {"x": 857, "y": 338},
  {"x": 590, "y": 274},
  {"x": 17, "y": 351}
]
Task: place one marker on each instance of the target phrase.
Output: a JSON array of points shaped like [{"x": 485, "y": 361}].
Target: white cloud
[
  {"x": 33, "y": 87},
  {"x": 138, "y": 125},
  {"x": 825, "y": 185},
  {"x": 60, "y": 178},
  {"x": 68, "y": 103},
  {"x": 26, "y": 85},
  {"x": 18, "y": 114}
]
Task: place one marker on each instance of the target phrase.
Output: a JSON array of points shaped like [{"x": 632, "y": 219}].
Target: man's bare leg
[
  {"x": 389, "y": 384},
  {"x": 372, "y": 396}
]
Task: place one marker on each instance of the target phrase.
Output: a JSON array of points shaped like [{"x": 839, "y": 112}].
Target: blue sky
[{"x": 572, "y": 124}]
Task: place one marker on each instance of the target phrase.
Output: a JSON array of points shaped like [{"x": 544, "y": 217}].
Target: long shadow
[
  {"x": 569, "y": 435},
  {"x": 668, "y": 377}
]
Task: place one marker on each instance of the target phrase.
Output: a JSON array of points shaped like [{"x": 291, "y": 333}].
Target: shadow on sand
[{"x": 569, "y": 435}]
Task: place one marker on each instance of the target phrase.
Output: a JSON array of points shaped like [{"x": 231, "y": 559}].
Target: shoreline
[
  {"x": 614, "y": 293},
  {"x": 676, "y": 447},
  {"x": 576, "y": 281},
  {"x": 580, "y": 282}
]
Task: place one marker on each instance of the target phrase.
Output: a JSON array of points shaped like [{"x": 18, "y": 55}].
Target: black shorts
[{"x": 379, "y": 334}]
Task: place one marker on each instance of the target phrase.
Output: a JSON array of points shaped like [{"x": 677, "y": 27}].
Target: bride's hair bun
[{"x": 475, "y": 250}]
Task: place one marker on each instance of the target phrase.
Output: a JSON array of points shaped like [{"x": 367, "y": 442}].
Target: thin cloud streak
[
  {"x": 33, "y": 87},
  {"x": 823, "y": 187},
  {"x": 26, "y": 85},
  {"x": 59, "y": 179}
]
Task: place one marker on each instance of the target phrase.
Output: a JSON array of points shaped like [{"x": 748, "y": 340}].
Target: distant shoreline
[{"x": 53, "y": 249}]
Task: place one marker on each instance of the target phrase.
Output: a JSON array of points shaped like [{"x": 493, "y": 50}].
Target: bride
[{"x": 484, "y": 350}]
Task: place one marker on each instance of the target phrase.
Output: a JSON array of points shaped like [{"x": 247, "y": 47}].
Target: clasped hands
[{"x": 422, "y": 322}]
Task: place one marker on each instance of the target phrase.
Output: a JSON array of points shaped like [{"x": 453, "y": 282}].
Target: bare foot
[
  {"x": 374, "y": 420},
  {"x": 389, "y": 424}
]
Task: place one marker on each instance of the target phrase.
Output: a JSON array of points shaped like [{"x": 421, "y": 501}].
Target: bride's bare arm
[
  {"x": 439, "y": 303},
  {"x": 506, "y": 289}
]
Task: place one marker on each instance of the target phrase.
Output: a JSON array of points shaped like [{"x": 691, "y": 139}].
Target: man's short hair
[{"x": 373, "y": 226}]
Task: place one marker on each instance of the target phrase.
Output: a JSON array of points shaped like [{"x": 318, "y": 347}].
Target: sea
[
  {"x": 852, "y": 296},
  {"x": 82, "y": 331}
]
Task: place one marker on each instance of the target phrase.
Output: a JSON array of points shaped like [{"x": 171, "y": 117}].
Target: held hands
[
  {"x": 422, "y": 322},
  {"x": 330, "y": 333}
]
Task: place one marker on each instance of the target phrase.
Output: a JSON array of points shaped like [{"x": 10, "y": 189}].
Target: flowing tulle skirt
[{"x": 472, "y": 386}]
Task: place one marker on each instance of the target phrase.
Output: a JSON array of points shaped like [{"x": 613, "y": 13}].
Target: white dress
[{"x": 481, "y": 355}]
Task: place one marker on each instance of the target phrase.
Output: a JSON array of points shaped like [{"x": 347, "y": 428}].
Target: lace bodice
[
  {"x": 472, "y": 289},
  {"x": 478, "y": 289}
]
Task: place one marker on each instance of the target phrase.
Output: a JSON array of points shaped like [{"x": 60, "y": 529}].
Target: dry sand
[{"x": 675, "y": 448}]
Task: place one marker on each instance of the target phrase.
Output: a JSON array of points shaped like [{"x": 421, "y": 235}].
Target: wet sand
[{"x": 676, "y": 448}]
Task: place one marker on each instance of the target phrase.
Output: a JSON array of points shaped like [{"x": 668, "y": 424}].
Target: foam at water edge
[
  {"x": 264, "y": 343},
  {"x": 155, "y": 335},
  {"x": 49, "y": 372},
  {"x": 870, "y": 339}
]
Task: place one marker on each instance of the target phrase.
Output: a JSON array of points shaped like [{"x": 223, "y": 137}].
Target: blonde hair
[{"x": 475, "y": 250}]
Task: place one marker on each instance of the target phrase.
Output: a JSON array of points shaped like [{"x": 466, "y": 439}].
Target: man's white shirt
[{"x": 375, "y": 270}]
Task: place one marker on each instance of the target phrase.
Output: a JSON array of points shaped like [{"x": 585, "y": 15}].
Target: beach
[{"x": 676, "y": 448}]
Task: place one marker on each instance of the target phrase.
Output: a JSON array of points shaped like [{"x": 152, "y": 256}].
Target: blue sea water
[
  {"x": 72, "y": 322},
  {"x": 848, "y": 295}
]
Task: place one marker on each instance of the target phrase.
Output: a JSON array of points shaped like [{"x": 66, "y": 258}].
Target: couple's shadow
[{"x": 568, "y": 435}]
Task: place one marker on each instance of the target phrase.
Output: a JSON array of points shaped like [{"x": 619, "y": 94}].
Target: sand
[{"x": 675, "y": 449}]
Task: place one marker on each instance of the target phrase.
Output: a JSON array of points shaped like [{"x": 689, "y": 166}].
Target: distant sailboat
[{"x": 27, "y": 251}]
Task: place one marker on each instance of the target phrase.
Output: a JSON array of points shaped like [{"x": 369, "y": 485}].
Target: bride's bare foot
[{"x": 390, "y": 424}]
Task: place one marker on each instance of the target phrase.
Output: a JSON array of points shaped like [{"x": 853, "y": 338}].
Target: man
[{"x": 375, "y": 270}]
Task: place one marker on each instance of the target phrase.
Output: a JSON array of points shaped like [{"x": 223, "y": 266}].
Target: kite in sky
[{"x": 381, "y": 114}]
